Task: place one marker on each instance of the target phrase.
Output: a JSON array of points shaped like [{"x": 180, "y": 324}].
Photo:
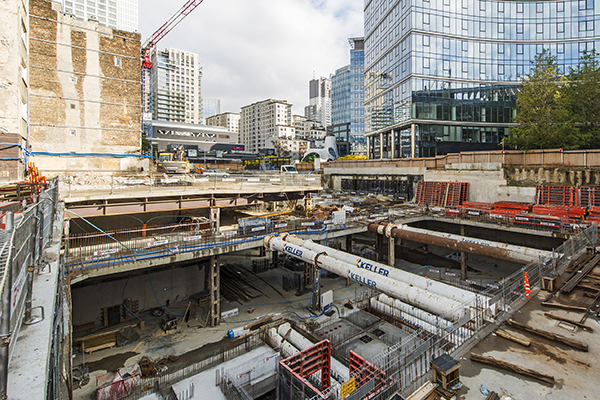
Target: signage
[
  {"x": 157, "y": 243},
  {"x": 348, "y": 387}
]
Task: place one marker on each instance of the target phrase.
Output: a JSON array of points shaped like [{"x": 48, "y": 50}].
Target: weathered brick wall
[{"x": 80, "y": 99}]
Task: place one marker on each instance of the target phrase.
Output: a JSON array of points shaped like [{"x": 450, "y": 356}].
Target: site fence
[
  {"x": 146, "y": 386},
  {"x": 531, "y": 158},
  {"x": 109, "y": 183},
  {"x": 407, "y": 364},
  {"x": 22, "y": 241}
]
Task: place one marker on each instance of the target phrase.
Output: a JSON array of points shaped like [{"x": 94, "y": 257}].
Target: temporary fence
[
  {"x": 22, "y": 241},
  {"x": 409, "y": 361}
]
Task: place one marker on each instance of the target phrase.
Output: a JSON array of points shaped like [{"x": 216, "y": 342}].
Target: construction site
[{"x": 267, "y": 286}]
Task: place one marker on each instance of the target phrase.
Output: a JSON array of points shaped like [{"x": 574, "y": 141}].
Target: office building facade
[
  {"x": 347, "y": 96},
  {"x": 229, "y": 120},
  {"x": 118, "y": 14},
  {"x": 210, "y": 107},
  {"x": 442, "y": 75},
  {"x": 176, "y": 86},
  {"x": 319, "y": 101},
  {"x": 265, "y": 119}
]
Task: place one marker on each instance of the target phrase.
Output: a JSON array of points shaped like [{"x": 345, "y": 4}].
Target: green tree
[
  {"x": 583, "y": 95},
  {"x": 543, "y": 114}
]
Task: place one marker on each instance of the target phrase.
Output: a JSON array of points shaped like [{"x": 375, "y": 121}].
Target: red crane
[{"x": 160, "y": 33}]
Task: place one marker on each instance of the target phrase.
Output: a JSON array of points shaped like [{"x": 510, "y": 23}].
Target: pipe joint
[{"x": 388, "y": 230}]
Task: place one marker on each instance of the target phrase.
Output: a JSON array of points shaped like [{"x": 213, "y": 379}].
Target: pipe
[
  {"x": 434, "y": 320},
  {"x": 500, "y": 251},
  {"x": 432, "y": 302},
  {"x": 338, "y": 371},
  {"x": 452, "y": 292}
]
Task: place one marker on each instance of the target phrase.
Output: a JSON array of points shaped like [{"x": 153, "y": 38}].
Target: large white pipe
[
  {"x": 452, "y": 292},
  {"x": 432, "y": 302},
  {"x": 339, "y": 372},
  {"x": 423, "y": 315}
]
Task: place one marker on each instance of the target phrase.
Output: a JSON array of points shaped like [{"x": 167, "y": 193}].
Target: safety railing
[{"x": 21, "y": 244}]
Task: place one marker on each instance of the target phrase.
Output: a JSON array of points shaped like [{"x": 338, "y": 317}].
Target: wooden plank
[
  {"x": 511, "y": 336},
  {"x": 549, "y": 379},
  {"x": 108, "y": 345},
  {"x": 103, "y": 333},
  {"x": 570, "y": 321},
  {"x": 577, "y": 277},
  {"x": 549, "y": 335},
  {"x": 563, "y": 306}
]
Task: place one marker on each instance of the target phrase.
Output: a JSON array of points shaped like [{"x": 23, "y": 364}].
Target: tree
[
  {"x": 583, "y": 95},
  {"x": 543, "y": 114}
]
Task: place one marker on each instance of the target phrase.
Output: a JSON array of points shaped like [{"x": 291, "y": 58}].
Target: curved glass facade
[{"x": 457, "y": 63}]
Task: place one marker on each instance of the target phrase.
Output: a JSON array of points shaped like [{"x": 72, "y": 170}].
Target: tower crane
[{"x": 152, "y": 41}]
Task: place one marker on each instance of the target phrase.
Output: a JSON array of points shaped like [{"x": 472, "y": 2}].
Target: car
[
  {"x": 212, "y": 172},
  {"x": 288, "y": 169}
]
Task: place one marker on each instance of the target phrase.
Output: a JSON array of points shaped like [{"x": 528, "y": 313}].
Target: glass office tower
[{"x": 442, "y": 75}]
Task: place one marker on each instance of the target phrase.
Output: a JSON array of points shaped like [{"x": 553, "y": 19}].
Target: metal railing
[{"x": 21, "y": 245}]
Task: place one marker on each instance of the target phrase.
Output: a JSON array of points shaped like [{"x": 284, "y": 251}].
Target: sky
[{"x": 252, "y": 50}]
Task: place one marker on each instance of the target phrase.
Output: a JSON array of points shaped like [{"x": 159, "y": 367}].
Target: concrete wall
[
  {"x": 14, "y": 77},
  {"x": 174, "y": 284},
  {"x": 81, "y": 99},
  {"x": 531, "y": 176}
]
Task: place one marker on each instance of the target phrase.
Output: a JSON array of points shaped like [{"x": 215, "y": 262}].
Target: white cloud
[{"x": 251, "y": 50}]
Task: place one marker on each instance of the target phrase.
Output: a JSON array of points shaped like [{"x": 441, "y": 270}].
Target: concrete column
[
  {"x": 348, "y": 244},
  {"x": 463, "y": 258},
  {"x": 215, "y": 216},
  {"x": 392, "y": 252},
  {"x": 275, "y": 258},
  {"x": 381, "y": 145},
  {"x": 413, "y": 140},
  {"x": 379, "y": 244},
  {"x": 368, "y": 146},
  {"x": 215, "y": 291}
]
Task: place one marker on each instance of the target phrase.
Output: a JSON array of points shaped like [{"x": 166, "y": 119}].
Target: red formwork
[
  {"x": 441, "y": 194},
  {"x": 567, "y": 196},
  {"x": 310, "y": 361},
  {"x": 512, "y": 205},
  {"x": 363, "y": 371}
]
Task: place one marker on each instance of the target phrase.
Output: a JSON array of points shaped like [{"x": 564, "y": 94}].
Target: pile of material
[{"x": 151, "y": 367}]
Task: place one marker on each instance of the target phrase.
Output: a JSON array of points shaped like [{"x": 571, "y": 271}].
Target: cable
[
  {"x": 100, "y": 230},
  {"x": 123, "y": 298}
]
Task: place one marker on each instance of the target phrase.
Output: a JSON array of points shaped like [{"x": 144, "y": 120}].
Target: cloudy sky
[{"x": 251, "y": 50}]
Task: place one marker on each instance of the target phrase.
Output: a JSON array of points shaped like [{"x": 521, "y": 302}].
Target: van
[{"x": 288, "y": 169}]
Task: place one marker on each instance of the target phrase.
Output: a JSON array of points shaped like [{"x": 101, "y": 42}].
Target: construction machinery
[{"x": 173, "y": 163}]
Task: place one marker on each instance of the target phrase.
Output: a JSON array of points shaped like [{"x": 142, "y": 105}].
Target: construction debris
[
  {"x": 549, "y": 335},
  {"x": 570, "y": 321},
  {"x": 152, "y": 367},
  {"x": 549, "y": 379}
]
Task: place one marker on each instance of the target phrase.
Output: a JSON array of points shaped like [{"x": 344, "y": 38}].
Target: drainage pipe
[
  {"x": 338, "y": 371},
  {"x": 431, "y": 302},
  {"x": 500, "y": 251},
  {"x": 452, "y": 292}
]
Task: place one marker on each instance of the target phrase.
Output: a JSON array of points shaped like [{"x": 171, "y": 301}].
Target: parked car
[
  {"x": 212, "y": 172},
  {"x": 288, "y": 169}
]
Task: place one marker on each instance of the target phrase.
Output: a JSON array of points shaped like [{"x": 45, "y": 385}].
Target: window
[
  {"x": 560, "y": 27},
  {"x": 482, "y": 47},
  {"x": 501, "y": 48},
  {"x": 582, "y": 26},
  {"x": 426, "y": 41},
  {"x": 465, "y": 45},
  {"x": 500, "y": 7},
  {"x": 500, "y": 27},
  {"x": 539, "y": 7},
  {"x": 519, "y": 7},
  {"x": 72, "y": 106},
  {"x": 500, "y": 69},
  {"x": 446, "y": 65},
  {"x": 482, "y": 27},
  {"x": 425, "y": 62},
  {"x": 72, "y": 132},
  {"x": 520, "y": 28},
  {"x": 465, "y": 24},
  {"x": 73, "y": 79},
  {"x": 426, "y": 19},
  {"x": 482, "y": 68},
  {"x": 582, "y": 5},
  {"x": 465, "y": 67},
  {"x": 446, "y": 43},
  {"x": 520, "y": 70},
  {"x": 482, "y": 6},
  {"x": 539, "y": 28},
  {"x": 519, "y": 49},
  {"x": 539, "y": 48},
  {"x": 446, "y": 21},
  {"x": 560, "y": 6},
  {"x": 560, "y": 48}
]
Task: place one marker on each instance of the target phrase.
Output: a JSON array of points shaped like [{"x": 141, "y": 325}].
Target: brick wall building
[{"x": 84, "y": 94}]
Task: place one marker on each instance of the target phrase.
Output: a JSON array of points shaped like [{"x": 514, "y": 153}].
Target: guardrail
[
  {"x": 108, "y": 183},
  {"x": 21, "y": 245}
]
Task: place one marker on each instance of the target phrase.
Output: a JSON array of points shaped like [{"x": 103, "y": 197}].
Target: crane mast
[{"x": 147, "y": 106}]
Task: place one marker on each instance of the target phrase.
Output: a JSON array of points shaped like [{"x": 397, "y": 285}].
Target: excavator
[{"x": 173, "y": 163}]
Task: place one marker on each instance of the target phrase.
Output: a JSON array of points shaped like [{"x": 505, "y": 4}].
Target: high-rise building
[
  {"x": 176, "y": 86},
  {"x": 210, "y": 107},
  {"x": 264, "y": 119},
  {"x": 228, "y": 120},
  {"x": 319, "y": 101},
  {"x": 119, "y": 14},
  {"x": 442, "y": 75},
  {"x": 347, "y": 96}
]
